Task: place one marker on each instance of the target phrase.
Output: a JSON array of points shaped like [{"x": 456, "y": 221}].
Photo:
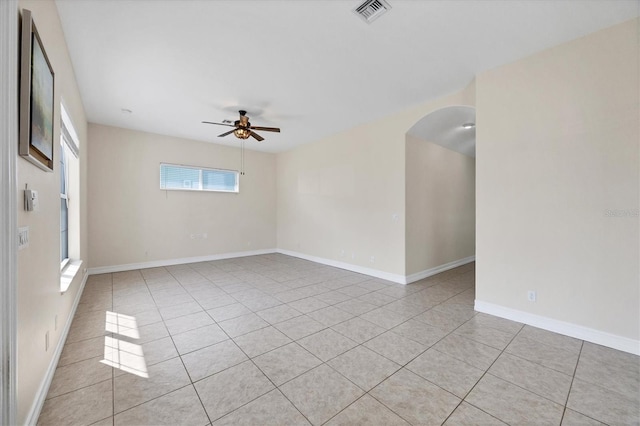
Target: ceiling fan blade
[
  {"x": 257, "y": 136},
  {"x": 266, "y": 129},
  {"x": 227, "y": 133},
  {"x": 219, "y": 124}
]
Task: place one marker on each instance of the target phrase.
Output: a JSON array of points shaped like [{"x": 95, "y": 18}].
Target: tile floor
[{"x": 275, "y": 340}]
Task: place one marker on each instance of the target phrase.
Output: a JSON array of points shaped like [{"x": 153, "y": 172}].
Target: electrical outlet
[
  {"x": 531, "y": 296},
  {"x": 372, "y": 259},
  {"x": 341, "y": 253},
  {"x": 248, "y": 243}
]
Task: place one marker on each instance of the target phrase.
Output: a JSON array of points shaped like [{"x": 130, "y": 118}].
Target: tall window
[
  {"x": 64, "y": 205},
  {"x": 69, "y": 174}
]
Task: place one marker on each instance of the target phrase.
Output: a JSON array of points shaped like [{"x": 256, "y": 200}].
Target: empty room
[{"x": 346, "y": 212}]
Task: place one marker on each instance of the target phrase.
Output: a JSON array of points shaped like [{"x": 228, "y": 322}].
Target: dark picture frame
[{"x": 36, "y": 97}]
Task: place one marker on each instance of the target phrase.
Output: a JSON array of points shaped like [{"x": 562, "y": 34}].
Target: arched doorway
[{"x": 440, "y": 191}]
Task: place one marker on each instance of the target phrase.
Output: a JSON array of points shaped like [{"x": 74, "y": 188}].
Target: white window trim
[
  {"x": 8, "y": 210},
  {"x": 69, "y": 268}
]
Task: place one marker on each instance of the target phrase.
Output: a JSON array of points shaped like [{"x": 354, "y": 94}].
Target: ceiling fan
[{"x": 243, "y": 129}]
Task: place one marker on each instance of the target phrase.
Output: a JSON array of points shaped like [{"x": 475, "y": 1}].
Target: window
[
  {"x": 69, "y": 201},
  {"x": 188, "y": 178}
]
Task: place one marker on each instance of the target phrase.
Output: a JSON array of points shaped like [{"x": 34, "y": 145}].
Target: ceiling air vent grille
[{"x": 371, "y": 10}]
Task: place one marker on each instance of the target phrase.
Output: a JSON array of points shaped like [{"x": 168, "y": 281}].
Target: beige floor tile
[
  {"x": 212, "y": 359},
  {"x": 81, "y": 407},
  {"x": 87, "y": 327},
  {"x": 477, "y": 354},
  {"x": 166, "y": 300},
  {"x": 468, "y": 415},
  {"x": 272, "y": 408},
  {"x": 442, "y": 320},
  {"x": 178, "y": 310},
  {"x": 82, "y": 350},
  {"x": 404, "y": 307},
  {"x": 543, "y": 354},
  {"x": 367, "y": 411},
  {"x": 572, "y": 418},
  {"x": 199, "y": 338},
  {"x": 286, "y": 363},
  {"x": 264, "y": 302},
  {"x": 308, "y": 304},
  {"x": 376, "y": 298},
  {"x": 445, "y": 371},
  {"x": 224, "y": 313},
  {"x": 278, "y": 314},
  {"x": 159, "y": 350},
  {"x": 145, "y": 333},
  {"x": 364, "y": 367},
  {"x": 327, "y": 344},
  {"x": 540, "y": 380},
  {"x": 330, "y": 316},
  {"x": 242, "y": 325},
  {"x": 260, "y": 341},
  {"x": 188, "y": 322},
  {"x": 333, "y": 297},
  {"x": 420, "y": 332},
  {"x": 232, "y": 388},
  {"x": 385, "y": 318},
  {"x": 415, "y": 399},
  {"x": 566, "y": 343},
  {"x": 611, "y": 369},
  {"x": 358, "y": 329},
  {"x": 131, "y": 390},
  {"x": 483, "y": 334},
  {"x": 180, "y": 407},
  {"x": 395, "y": 347},
  {"x": 602, "y": 404},
  {"x": 504, "y": 325},
  {"x": 513, "y": 404},
  {"x": 321, "y": 393},
  {"x": 354, "y": 290},
  {"x": 299, "y": 327},
  {"x": 78, "y": 375},
  {"x": 216, "y": 301},
  {"x": 104, "y": 422}
]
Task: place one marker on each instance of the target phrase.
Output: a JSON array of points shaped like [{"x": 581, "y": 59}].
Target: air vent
[{"x": 371, "y": 10}]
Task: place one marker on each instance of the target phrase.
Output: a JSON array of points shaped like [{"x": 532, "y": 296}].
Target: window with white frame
[
  {"x": 69, "y": 192},
  {"x": 191, "y": 178}
]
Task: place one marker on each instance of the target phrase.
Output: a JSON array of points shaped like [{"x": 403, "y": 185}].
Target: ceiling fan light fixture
[
  {"x": 242, "y": 133},
  {"x": 468, "y": 125}
]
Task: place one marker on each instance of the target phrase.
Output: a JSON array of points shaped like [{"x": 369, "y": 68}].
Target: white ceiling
[{"x": 313, "y": 68}]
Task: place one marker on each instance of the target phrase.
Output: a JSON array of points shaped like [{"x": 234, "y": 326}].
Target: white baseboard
[
  {"x": 396, "y": 278},
  {"x": 438, "y": 269},
  {"x": 621, "y": 343},
  {"x": 180, "y": 261},
  {"x": 41, "y": 395}
]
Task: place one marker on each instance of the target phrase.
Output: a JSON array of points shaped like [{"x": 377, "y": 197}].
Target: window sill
[{"x": 68, "y": 273}]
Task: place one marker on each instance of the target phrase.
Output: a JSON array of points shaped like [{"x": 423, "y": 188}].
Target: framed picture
[{"x": 36, "y": 97}]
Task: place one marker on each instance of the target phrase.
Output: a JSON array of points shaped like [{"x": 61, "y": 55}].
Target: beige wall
[
  {"x": 440, "y": 212},
  {"x": 132, "y": 221},
  {"x": 342, "y": 198},
  {"x": 557, "y": 147},
  {"x": 39, "y": 297}
]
